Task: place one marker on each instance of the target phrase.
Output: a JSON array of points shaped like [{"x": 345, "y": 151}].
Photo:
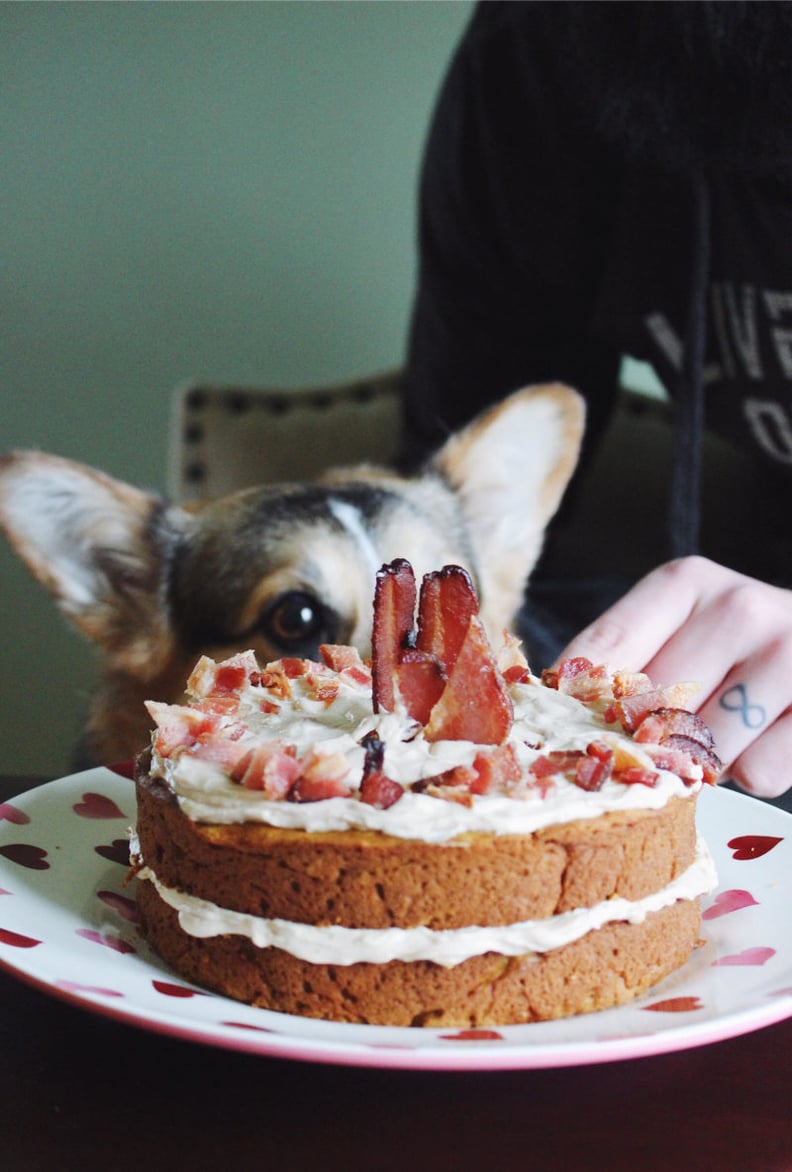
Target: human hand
[{"x": 692, "y": 619}]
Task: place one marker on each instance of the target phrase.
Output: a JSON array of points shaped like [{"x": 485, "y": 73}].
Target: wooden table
[{"x": 80, "y": 1092}]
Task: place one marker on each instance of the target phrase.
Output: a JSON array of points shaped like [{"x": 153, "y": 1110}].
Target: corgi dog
[{"x": 279, "y": 569}]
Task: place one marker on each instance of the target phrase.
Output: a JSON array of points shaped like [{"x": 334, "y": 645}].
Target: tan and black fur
[{"x": 280, "y": 568}]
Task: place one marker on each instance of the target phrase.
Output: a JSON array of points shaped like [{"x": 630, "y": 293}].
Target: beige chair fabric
[{"x": 229, "y": 437}]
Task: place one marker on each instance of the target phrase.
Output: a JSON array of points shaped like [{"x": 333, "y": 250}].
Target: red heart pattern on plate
[
  {"x": 116, "y": 851},
  {"x": 244, "y": 1025},
  {"x": 121, "y": 903},
  {"x": 76, "y": 987},
  {"x": 16, "y": 940},
  {"x": 752, "y": 846},
  {"x": 473, "y": 1036},
  {"x": 676, "y": 1005},
  {"x": 9, "y": 813},
  {"x": 113, "y": 942},
  {"x": 729, "y": 901},
  {"x": 748, "y": 956},
  {"x": 26, "y": 855},
  {"x": 97, "y": 806},
  {"x": 168, "y": 989}
]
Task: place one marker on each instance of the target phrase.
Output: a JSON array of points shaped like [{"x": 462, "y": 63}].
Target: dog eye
[{"x": 298, "y": 622}]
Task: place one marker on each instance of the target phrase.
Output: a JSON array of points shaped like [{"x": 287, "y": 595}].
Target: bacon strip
[
  {"x": 392, "y": 631},
  {"x": 475, "y": 704},
  {"x": 447, "y": 604}
]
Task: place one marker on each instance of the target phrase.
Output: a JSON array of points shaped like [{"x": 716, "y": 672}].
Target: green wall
[{"x": 213, "y": 190}]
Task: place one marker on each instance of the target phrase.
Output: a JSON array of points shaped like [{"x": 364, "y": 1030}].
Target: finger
[
  {"x": 632, "y": 631},
  {"x": 753, "y": 694},
  {"x": 748, "y": 702},
  {"x": 740, "y": 620},
  {"x": 762, "y": 769}
]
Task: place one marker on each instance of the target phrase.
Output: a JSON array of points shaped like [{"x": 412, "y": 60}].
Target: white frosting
[
  {"x": 545, "y": 720},
  {"x": 343, "y": 946}
]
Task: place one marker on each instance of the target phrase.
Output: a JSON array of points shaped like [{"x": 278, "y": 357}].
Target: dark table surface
[{"x": 83, "y": 1092}]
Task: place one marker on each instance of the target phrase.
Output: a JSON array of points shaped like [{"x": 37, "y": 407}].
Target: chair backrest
[{"x": 223, "y": 437}]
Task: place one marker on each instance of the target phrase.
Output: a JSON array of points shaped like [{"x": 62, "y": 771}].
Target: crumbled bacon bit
[
  {"x": 495, "y": 769},
  {"x": 201, "y": 679},
  {"x": 663, "y": 723},
  {"x": 596, "y": 767},
  {"x": 510, "y": 657},
  {"x": 338, "y": 656},
  {"x": 593, "y": 683},
  {"x": 566, "y": 670},
  {"x": 357, "y": 675},
  {"x": 711, "y": 765},
  {"x": 580, "y": 678},
  {"x": 317, "y": 789},
  {"x": 627, "y": 683},
  {"x": 293, "y": 668},
  {"x": 271, "y": 767},
  {"x": 179, "y": 726},
  {"x": 591, "y": 773},
  {"x": 541, "y": 785},
  {"x": 637, "y": 776},
  {"x": 601, "y": 750},
  {"x": 631, "y": 710},
  {"x": 376, "y": 788},
  {"x": 224, "y": 705},
  {"x": 223, "y": 749},
  {"x": 457, "y": 777},
  {"x": 545, "y": 766},
  {"x": 589, "y": 770},
  {"x": 453, "y": 785},
  {"x": 230, "y": 677},
  {"x": 380, "y": 791},
  {"x": 325, "y": 690},
  {"x": 275, "y": 680},
  {"x": 322, "y": 775}
]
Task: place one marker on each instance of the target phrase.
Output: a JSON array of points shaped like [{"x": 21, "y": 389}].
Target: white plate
[{"x": 67, "y": 926}]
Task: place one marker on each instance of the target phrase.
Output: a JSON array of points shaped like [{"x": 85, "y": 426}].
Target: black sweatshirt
[{"x": 604, "y": 180}]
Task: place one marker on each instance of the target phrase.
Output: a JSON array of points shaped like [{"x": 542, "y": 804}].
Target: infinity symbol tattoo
[{"x": 735, "y": 699}]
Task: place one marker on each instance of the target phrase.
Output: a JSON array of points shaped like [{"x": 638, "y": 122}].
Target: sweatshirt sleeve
[{"x": 514, "y": 218}]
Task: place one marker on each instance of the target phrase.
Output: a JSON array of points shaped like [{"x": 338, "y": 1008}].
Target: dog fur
[{"x": 280, "y": 569}]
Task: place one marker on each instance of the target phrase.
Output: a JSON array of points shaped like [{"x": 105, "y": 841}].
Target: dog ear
[
  {"x": 510, "y": 468},
  {"x": 100, "y": 547}
]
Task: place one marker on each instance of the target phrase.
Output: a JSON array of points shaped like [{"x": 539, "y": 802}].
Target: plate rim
[{"x": 464, "y": 1056}]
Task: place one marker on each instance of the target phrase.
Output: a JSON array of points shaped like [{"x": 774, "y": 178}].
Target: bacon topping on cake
[
  {"x": 433, "y": 668},
  {"x": 444, "y": 673},
  {"x": 669, "y": 734}
]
